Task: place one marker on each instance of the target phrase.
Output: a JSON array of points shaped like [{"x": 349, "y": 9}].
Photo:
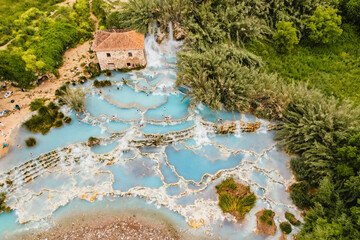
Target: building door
[{"x": 111, "y": 66}]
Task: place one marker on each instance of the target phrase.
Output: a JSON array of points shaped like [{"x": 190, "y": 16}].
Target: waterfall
[
  {"x": 238, "y": 129},
  {"x": 153, "y": 51},
  {"x": 171, "y": 32}
]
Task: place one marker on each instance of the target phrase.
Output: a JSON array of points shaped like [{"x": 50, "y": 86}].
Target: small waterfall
[
  {"x": 200, "y": 133},
  {"x": 238, "y": 129},
  {"x": 153, "y": 51},
  {"x": 171, "y": 32}
]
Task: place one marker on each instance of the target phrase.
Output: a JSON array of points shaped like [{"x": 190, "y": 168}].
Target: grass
[
  {"x": 235, "y": 198},
  {"x": 334, "y": 69},
  {"x": 267, "y": 216}
]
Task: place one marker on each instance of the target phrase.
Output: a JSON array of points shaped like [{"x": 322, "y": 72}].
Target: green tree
[
  {"x": 285, "y": 37},
  {"x": 324, "y": 25},
  {"x": 13, "y": 68}
]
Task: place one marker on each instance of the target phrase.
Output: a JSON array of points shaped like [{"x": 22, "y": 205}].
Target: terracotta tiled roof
[{"x": 110, "y": 41}]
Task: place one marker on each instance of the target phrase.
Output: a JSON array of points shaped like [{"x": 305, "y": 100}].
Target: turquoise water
[{"x": 179, "y": 176}]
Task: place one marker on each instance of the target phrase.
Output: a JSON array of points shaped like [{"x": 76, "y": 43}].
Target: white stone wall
[{"x": 121, "y": 58}]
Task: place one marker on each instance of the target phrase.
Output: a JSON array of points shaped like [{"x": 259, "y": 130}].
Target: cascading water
[
  {"x": 172, "y": 161},
  {"x": 171, "y": 32}
]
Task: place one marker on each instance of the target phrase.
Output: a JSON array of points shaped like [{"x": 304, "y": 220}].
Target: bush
[
  {"x": 46, "y": 118},
  {"x": 285, "y": 227},
  {"x": 324, "y": 25},
  {"x": 3, "y": 207},
  {"x": 58, "y": 123},
  {"x": 291, "y": 218},
  {"x": 300, "y": 194},
  {"x": 266, "y": 217},
  {"x": 30, "y": 142},
  {"x": 108, "y": 73},
  {"x": 67, "y": 120},
  {"x": 103, "y": 83},
  {"x": 36, "y": 104},
  {"x": 60, "y": 115},
  {"x": 285, "y": 37}
]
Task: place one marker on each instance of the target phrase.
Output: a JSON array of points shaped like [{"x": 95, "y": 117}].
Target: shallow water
[{"x": 180, "y": 175}]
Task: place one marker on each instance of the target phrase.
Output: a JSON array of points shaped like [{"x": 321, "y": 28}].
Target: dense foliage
[
  {"x": 318, "y": 122},
  {"x": 285, "y": 227},
  {"x": 285, "y": 37},
  {"x": 46, "y": 118},
  {"x": 324, "y": 25},
  {"x": 38, "y": 38}
]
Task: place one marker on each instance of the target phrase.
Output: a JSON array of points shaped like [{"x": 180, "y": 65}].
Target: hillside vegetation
[
  {"x": 39, "y": 33},
  {"x": 293, "y": 61}
]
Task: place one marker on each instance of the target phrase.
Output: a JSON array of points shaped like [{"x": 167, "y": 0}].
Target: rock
[
  {"x": 93, "y": 141},
  {"x": 264, "y": 227},
  {"x": 272, "y": 126},
  {"x": 228, "y": 127},
  {"x": 179, "y": 33},
  {"x": 283, "y": 236},
  {"x": 160, "y": 37}
]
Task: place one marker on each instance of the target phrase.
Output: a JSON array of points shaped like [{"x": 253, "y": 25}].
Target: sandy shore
[
  {"x": 72, "y": 59},
  {"x": 108, "y": 225}
]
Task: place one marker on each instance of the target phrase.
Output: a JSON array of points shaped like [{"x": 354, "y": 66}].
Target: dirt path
[{"x": 71, "y": 69}]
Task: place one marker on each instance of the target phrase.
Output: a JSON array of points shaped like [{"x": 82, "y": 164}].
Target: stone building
[{"x": 119, "y": 49}]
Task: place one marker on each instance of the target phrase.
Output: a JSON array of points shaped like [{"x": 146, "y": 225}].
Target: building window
[
  {"x": 108, "y": 54},
  {"x": 130, "y": 54},
  {"x": 128, "y": 64}
]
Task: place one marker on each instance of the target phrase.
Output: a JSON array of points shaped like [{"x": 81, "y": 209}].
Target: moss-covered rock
[{"x": 235, "y": 198}]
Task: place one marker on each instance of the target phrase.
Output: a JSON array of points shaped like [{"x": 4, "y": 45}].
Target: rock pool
[{"x": 145, "y": 161}]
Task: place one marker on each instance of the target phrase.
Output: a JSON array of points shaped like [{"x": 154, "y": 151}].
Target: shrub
[
  {"x": 285, "y": 227},
  {"x": 103, "y": 83},
  {"x": 266, "y": 217},
  {"x": 300, "y": 194},
  {"x": 36, "y": 104},
  {"x": 58, "y": 123},
  {"x": 45, "y": 119},
  {"x": 238, "y": 203},
  {"x": 60, "y": 91},
  {"x": 3, "y": 207},
  {"x": 285, "y": 37},
  {"x": 324, "y": 25},
  {"x": 108, "y": 73},
  {"x": 291, "y": 218},
  {"x": 75, "y": 97},
  {"x": 60, "y": 115},
  {"x": 67, "y": 120},
  {"x": 83, "y": 64},
  {"x": 30, "y": 142},
  {"x": 82, "y": 79}
]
